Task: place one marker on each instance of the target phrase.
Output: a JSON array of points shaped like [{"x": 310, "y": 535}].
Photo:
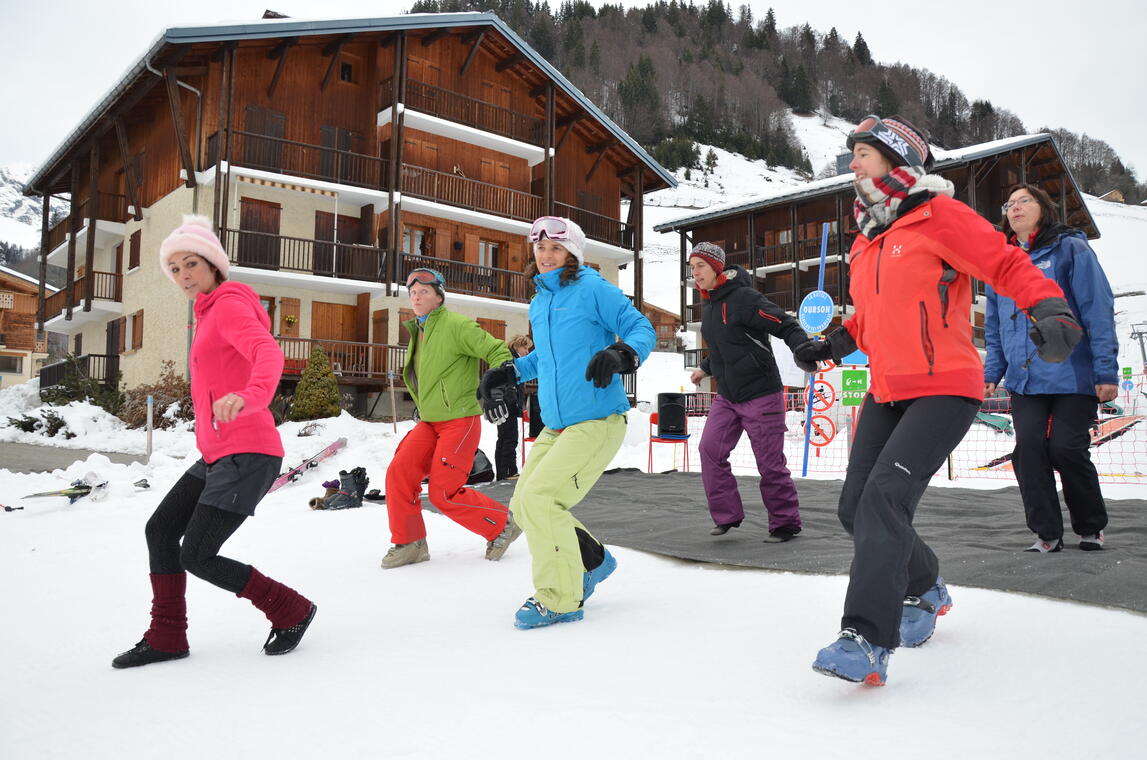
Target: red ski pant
[{"x": 445, "y": 452}]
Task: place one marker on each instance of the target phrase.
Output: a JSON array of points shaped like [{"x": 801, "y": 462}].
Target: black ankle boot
[
  {"x": 283, "y": 640},
  {"x": 721, "y": 530},
  {"x": 143, "y": 654}
]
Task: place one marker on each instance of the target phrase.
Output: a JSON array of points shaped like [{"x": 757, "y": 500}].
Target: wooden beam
[
  {"x": 562, "y": 139},
  {"x": 573, "y": 118},
  {"x": 180, "y": 127},
  {"x": 45, "y": 218},
  {"x": 74, "y": 229},
  {"x": 510, "y": 62},
  {"x": 599, "y": 147},
  {"x": 432, "y": 37},
  {"x": 596, "y": 163},
  {"x": 280, "y": 52},
  {"x": 540, "y": 90},
  {"x": 128, "y": 170},
  {"x": 93, "y": 218},
  {"x": 334, "y": 50},
  {"x": 388, "y": 40},
  {"x": 473, "y": 52},
  {"x": 223, "y": 49}
]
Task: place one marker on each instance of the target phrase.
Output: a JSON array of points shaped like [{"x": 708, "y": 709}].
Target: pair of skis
[
  {"x": 91, "y": 485},
  {"x": 296, "y": 472}
]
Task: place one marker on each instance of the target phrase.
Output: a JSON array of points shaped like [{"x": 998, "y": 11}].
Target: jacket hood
[
  {"x": 1048, "y": 236},
  {"x": 735, "y": 277},
  {"x": 205, "y": 301}
]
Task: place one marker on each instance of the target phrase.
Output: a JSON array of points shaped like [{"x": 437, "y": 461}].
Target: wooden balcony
[
  {"x": 454, "y": 190},
  {"x": 598, "y": 226},
  {"x": 472, "y": 279},
  {"x": 276, "y": 154},
  {"x": 102, "y": 367},
  {"x": 265, "y": 250},
  {"x": 353, "y": 363},
  {"x": 110, "y": 208},
  {"x": 463, "y": 109},
  {"x": 106, "y": 286}
]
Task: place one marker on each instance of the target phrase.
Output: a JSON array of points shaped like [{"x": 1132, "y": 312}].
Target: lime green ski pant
[{"x": 560, "y": 470}]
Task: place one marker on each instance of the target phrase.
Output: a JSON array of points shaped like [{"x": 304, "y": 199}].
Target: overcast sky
[{"x": 1057, "y": 63}]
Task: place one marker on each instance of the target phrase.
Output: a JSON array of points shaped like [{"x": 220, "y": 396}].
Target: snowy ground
[{"x": 673, "y": 660}]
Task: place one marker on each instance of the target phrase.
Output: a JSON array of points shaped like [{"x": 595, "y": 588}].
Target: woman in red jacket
[
  {"x": 910, "y": 271},
  {"x": 235, "y": 367}
]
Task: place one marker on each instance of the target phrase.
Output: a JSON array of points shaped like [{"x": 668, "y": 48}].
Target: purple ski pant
[{"x": 764, "y": 420}]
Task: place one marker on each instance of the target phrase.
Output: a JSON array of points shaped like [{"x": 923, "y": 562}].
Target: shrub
[
  {"x": 172, "y": 395},
  {"x": 77, "y": 385},
  {"x": 26, "y": 423},
  {"x": 54, "y": 424},
  {"x": 317, "y": 395}
]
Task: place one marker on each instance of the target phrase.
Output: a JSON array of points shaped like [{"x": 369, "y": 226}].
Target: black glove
[
  {"x": 807, "y": 353},
  {"x": 1054, "y": 330},
  {"x": 608, "y": 362},
  {"x": 493, "y": 389}
]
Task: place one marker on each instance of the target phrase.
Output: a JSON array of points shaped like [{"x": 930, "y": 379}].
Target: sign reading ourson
[
  {"x": 815, "y": 312},
  {"x": 853, "y": 386}
]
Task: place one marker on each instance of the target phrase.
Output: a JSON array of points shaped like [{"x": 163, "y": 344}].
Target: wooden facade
[
  {"x": 341, "y": 153},
  {"x": 778, "y": 238}
]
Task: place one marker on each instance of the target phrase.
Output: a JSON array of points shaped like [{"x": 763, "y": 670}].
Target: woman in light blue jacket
[
  {"x": 586, "y": 332},
  {"x": 1054, "y": 405}
]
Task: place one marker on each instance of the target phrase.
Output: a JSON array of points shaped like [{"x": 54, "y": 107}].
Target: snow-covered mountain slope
[{"x": 19, "y": 215}]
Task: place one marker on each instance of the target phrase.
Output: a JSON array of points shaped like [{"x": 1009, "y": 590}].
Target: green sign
[
  {"x": 1126, "y": 373},
  {"x": 854, "y": 384}
]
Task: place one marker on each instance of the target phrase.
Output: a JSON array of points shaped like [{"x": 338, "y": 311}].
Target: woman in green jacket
[{"x": 441, "y": 375}]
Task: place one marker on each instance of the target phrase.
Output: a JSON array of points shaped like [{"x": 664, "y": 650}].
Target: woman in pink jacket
[{"x": 235, "y": 368}]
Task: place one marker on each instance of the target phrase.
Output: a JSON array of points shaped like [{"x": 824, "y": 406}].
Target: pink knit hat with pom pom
[{"x": 193, "y": 236}]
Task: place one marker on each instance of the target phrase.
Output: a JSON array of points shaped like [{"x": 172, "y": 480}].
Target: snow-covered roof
[
  {"x": 276, "y": 28},
  {"x": 26, "y": 278}
]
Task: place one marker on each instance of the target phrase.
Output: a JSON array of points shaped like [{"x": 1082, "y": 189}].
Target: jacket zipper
[
  {"x": 947, "y": 277},
  {"x": 879, "y": 256},
  {"x": 926, "y": 339}
]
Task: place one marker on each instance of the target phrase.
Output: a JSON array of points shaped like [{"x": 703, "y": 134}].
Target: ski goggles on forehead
[
  {"x": 426, "y": 277},
  {"x": 897, "y": 136},
  {"x": 552, "y": 227}
]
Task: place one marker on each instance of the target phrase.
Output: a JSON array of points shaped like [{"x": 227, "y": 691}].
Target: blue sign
[
  {"x": 816, "y": 311},
  {"x": 1128, "y": 385},
  {"x": 856, "y": 357}
]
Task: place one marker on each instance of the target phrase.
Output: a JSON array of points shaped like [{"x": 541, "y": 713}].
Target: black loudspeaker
[
  {"x": 535, "y": 408},
  {"x": 670, "y": 414}
]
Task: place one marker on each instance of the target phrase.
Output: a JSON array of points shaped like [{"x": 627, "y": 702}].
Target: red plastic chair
[{"x": 674, "y": 439}]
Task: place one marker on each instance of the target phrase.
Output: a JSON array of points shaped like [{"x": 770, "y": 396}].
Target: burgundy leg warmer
[
  {"x": 168, "y": 631},
  {"x": 282, "y": 605}
]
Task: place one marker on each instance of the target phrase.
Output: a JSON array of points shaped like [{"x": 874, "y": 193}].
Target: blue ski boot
[
  {"x": 918, "y": 620},
  {"x": 597, "y": 575},
  {"x": 853, "y": 658},
  {"x": 533, "y": 614}
]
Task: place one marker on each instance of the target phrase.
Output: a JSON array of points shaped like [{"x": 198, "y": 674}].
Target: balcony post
[
  {"x": 45, "y": 216},
  {"x": 93, "y": 217},
  {"x": 224, "y": 184},
  {"x": 637, "y": 209},
  {"x": 394, "y": 226},
  {"x": 548, "y": 161},
  {"x": 74, "y": 229}
]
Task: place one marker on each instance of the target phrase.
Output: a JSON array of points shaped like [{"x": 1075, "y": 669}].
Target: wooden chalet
[
  {"x": 333, "y": 157},
  {"x": 21, "y": 352},
  {"x": 785, "y": 228},
  {"x": 665, "y": 323}
]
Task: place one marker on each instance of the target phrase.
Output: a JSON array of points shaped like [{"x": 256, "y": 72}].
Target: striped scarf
[{"x": 878, "y": 200}]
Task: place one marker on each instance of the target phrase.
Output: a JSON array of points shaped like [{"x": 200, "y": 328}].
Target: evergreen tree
[
  {"x": 641, "y": 102},
  {"x": 318, "y": 393},
  {"x": 803, "y": 95},
  {"x": 887, "y": 103},
  {"x": 860, "y": 51}
]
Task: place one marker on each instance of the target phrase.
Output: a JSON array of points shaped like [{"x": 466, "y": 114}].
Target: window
[
  {"x": 79, "y": 345},
  {"x": 12, "y": 365},
  {"x": 417, "y": 241},
  {"x": 137, "y": 330},
  {"x": 133, "y": 251},
  {"x": 487, "y": 253},
  {"x": 346, "y": 72}
]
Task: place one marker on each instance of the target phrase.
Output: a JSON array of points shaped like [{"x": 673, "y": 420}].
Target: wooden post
[
  {"x": 45, "y": 216},
  {"x": 548, "y": 161},
  {"x": 220, "y": 137},
  {"x": 130, "y": 180},
  {"x": 637, "y": 203},
  {"x": 181, "y": 139},
  {"x": 684, "y": 266},
  {"x": 93, "y": 218},
  {"x": 394, "y": 227},
  {"x": 229, "y": 63},
  {"x": 74, "y": 229}
]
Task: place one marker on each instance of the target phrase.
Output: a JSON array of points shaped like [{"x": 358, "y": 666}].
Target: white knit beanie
[{"x": 193, "y": 236}]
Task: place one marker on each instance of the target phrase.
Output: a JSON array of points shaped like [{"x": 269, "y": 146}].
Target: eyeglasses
[
  {"x": 552, "y": 227},
  {"x": 1017, "y": 202},
  {"x": 426, "y": 277}
]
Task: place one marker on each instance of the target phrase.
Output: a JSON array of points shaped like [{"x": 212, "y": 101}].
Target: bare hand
[
  {"x": 989, "y": 390},
  {"x": 227, "y": 408},
  {"x": 696, "y": 376},
  {"x": 1106, "y": 392}
]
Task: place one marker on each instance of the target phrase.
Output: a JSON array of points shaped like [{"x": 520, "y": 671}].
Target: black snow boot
[
  {"x": 352, "y": 485},
  {"x": 283, "y": 640},
  {"x": 143, "y": 654}
]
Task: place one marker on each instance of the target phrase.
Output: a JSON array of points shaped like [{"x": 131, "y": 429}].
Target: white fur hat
[{"x": 193, "y": 236}]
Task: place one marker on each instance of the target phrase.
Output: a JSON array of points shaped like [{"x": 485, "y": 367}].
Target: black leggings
[{"x": 203, "y": 528}]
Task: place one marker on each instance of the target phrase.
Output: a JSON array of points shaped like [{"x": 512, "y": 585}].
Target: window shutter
[
  {"x": 133, "y": 250},
  {"x": 137, "y": 330}
]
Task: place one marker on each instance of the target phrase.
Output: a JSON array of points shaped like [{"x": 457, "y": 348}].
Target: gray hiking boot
[
  {"x": 406, "y": 554},
  {"x": 496, "y": 548}
]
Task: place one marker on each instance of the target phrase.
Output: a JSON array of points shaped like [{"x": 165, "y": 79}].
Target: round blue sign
[
  {"x": 1128, "y": 385},
  {"x": 816, "y": 311}
]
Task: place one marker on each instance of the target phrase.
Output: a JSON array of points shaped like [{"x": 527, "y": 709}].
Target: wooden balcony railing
[
  {"x": 472, "y": 279},
  {"x": 349, "y": 359},
  {"x": 101, "y": 367},
  {"x": 110, "y": 208},
  {"x": 598, "y": 226},
  {"x": 106, "y": 286},
  {"x": 463, "y": 109},
  {"x": 265, "y": 250},
  {"x": 470, "y": 193},
  {"x": 276, "y": 154}
]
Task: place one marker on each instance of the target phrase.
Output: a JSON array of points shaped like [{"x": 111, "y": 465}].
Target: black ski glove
[
  {"x": 608, "y": 362},
  {"x": 807, "y": 353},
  {"x": 493, "y": 389},
  {"x": 1054, "y": 330}
]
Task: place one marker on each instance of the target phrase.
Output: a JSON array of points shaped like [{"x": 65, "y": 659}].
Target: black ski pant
[
  {"x": 203, "y": 530},
  {"x": 898, "y": 447},
  {"x": 506, "y": 449},
  {"x": 1052, "y": 435}
]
